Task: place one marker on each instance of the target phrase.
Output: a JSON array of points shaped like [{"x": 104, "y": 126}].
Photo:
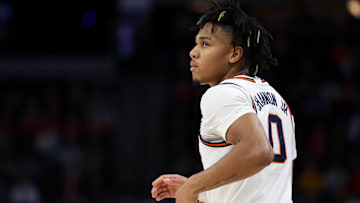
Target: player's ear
[{"x": 237, "y": 53}]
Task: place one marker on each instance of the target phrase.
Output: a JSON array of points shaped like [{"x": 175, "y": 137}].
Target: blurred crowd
[
  {"x": 82, "y": 141},
  {"x": 320, "y": 67},
  {"x": 53, "y": 138}
]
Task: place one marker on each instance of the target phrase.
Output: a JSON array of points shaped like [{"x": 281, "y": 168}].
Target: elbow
[
  {"x": 266, "y": 156},
  {"x": 269, "y": 157}
]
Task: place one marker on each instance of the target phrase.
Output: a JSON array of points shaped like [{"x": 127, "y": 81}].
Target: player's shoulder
[
  {"x": 223, "y": 89},
  {"x": 224, "y": 93}
]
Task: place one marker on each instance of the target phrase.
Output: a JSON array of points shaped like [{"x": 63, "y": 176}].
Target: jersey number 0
[{"x": 275, "y": 119}]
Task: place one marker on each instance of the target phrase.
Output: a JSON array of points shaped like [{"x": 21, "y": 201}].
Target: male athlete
[{"x": 247, "y": 139}]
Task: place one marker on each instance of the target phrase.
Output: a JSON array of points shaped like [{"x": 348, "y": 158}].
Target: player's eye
[{"x": 205, "y": 44}]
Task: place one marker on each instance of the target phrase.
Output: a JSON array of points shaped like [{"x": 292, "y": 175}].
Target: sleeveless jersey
[{"x": 223, "y": 104}]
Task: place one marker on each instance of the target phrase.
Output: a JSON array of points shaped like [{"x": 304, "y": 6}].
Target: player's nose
[{"x": 194, "y": 54}]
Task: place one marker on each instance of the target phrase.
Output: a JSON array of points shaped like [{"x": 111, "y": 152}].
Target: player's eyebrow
[{"x": 202, "y": 38}]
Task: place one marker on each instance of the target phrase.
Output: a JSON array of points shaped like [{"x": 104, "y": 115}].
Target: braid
[{"x": 246, "y": 32}]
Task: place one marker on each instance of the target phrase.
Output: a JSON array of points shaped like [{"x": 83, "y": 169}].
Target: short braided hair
[{"x": 246, "y": 32}]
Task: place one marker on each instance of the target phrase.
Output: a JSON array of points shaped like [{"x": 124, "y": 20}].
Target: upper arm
[
  {"x": 248, "y": 132},
  {"x": 247, "y": 128}
]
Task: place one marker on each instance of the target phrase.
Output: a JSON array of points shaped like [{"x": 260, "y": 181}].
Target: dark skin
[{"x": 214, "y": 59}]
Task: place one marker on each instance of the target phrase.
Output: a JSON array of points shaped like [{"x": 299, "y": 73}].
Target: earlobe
[{"x": 236, "y": 54}]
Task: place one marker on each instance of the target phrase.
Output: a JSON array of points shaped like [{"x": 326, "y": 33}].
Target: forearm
[{"x": 243, "y": 161}]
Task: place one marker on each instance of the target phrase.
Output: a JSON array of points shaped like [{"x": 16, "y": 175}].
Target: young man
[{"x": 247, "y": 138}]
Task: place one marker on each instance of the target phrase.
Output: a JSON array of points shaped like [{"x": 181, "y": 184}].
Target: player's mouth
[{"x": 193, "y": 66}]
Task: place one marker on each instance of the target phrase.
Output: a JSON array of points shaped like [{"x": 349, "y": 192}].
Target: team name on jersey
[{"x": 264, "y": 98}]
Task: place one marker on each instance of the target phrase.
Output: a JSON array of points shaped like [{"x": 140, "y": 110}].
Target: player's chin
[
  {"x": 195, "y": 83},
  {"x": 195, "y": 80},
  {"x": 199, "y": 79}
]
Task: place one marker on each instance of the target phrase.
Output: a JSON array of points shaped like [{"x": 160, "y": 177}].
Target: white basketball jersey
[{"x": 223, "y": 104}]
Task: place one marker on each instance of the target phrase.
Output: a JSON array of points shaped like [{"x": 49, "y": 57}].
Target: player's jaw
[
  {"x": 207, "y": 69},
  {"x": 200, "y": 74}
]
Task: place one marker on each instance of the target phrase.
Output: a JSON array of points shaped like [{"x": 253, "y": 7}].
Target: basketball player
[{"x": 247, "y": 138}]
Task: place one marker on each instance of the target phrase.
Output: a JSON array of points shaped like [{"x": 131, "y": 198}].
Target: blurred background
[{"x": 96, "y": 98}]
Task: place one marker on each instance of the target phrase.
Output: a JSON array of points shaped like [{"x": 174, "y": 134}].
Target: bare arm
[{"x": 251, "y": 153}]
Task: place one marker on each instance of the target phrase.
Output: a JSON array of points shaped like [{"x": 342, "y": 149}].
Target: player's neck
[
  {"x": 237, "y": 71},
  {"x": 243, "y": 72},
  {"x": 239, "y": 68},
  {"x": 232, "y": 73}
]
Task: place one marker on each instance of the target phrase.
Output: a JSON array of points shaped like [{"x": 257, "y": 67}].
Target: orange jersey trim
[
  {"x": 210, "y": 144},
  {"x": 244, "y": 78}
]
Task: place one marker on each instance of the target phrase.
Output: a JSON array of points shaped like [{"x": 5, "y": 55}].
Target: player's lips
[{"x": 193, "y": 66}]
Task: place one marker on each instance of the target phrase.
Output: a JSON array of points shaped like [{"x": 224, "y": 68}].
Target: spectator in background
[{"x": 24, "y": 190}]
